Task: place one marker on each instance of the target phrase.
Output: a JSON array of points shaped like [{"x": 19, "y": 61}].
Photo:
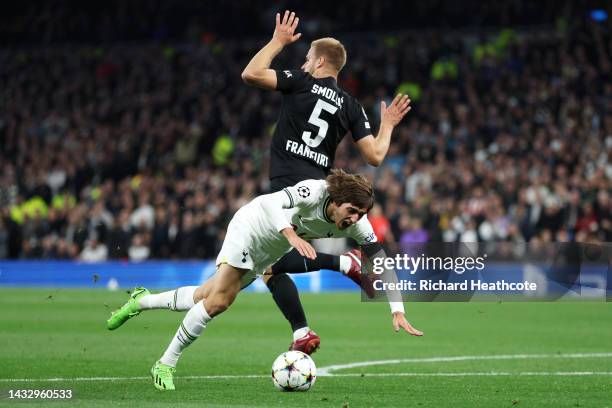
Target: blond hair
[{"x": 332, "y": 50}]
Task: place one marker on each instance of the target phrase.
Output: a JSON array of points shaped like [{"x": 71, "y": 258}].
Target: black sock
[
  {"x": 287, "y": 299},
  {"x": 293, "y": 262}
]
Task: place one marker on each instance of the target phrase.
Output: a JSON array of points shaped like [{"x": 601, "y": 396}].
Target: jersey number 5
[{"x": 320, "y": 123}]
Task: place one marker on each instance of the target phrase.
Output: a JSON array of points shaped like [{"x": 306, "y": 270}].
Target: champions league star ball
[{"x": 294, "y": 371}]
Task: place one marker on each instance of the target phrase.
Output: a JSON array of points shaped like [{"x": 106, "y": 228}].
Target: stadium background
[
  {"x": 127, "y": 140},
  {"x": 126, "y": 132}
]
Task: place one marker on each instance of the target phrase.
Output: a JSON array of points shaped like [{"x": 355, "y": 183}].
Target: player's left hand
[
  {"x": 394, "y": 114},
  {"x": 399, "y": 320}
]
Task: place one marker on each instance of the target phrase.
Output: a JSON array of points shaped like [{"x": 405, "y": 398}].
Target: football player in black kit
[{"x": 315, "y": 115}]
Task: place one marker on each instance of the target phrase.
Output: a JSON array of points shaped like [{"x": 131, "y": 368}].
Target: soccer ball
[{"x": 294, "y": 371}]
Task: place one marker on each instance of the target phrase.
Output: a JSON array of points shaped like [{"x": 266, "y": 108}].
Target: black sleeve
[
  {"x": 289, "y": 81},
  {"x": 373, "y": 249},
  {"x": 358, "y": 121}
]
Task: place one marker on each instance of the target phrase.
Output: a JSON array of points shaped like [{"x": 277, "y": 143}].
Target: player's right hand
[
  {"x": 284, "y": 30},
  {"x": 303, "y": 247}
]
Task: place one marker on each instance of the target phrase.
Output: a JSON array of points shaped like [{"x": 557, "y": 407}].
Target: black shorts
[{"x": 278, "y": 183}]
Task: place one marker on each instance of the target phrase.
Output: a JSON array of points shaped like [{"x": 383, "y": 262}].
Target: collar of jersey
[
  {"x": 324, "y": 209},
  {"x": 327, "y": 78}
]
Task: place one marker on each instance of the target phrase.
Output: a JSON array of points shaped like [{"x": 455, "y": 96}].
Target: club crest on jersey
[
  {"x": 245, "y": 253},
  {"x": 303, "y": 191},
  {"x": 370, "y": 238},
  {"x": 288, "y": 73}
]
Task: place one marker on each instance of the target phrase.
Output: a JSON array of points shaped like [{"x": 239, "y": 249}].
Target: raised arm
[
  {"x": 375, "y": 250},
  {"x": 373, "y": 150},
  {"x": 258, "y": 72}
]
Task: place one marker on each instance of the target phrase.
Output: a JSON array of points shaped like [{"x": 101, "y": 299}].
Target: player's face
[
  {"x": 347, "y": 214},
  {"x": 309, "y": 64}
]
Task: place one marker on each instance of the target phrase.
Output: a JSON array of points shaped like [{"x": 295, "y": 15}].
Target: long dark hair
[{"x": 350, "y": 188}]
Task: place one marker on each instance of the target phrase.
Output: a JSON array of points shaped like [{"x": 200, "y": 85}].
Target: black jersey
[{"x": 315, "y": 115}]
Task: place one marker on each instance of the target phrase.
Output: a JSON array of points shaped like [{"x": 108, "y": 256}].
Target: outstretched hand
[
  {"x": 394, "y": 114},
  {"x": 303, "y": 247},
  {"x": 399, "y": 320},
  {"x": 285, "y": 29}
]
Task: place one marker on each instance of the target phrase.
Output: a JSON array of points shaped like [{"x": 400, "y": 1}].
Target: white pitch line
[
  {"x": 328, "y": 369},
  {"x": 476, "y": 374}
]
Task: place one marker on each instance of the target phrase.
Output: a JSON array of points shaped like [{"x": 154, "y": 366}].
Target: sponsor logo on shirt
[{"x": 371, "y": 237}]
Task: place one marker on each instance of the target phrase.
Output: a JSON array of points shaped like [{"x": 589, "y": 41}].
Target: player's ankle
[{"x": 299, "y": 333}]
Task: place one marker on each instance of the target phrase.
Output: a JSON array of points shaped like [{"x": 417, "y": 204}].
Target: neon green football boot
[
  {"x": 128, "y": 310},
  {"x": 162, "y": 376}
]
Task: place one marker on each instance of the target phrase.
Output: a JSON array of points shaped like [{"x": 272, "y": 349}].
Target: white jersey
[{"x": 254, "y": 241}]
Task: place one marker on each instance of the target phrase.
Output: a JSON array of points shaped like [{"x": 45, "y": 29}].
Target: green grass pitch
[{"x": 547, "y": 353}]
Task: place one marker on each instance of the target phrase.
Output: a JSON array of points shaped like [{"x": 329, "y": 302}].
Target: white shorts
[{"x": 243, "y": 248}]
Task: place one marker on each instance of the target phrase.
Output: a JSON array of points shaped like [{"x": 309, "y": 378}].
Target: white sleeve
[
  {"x": 362, "y": 232},
  {"x": 272, "y": 205},
  {"x": 307, "y": 193},
  {"x": 397, "y": 307},
  {"x": 394, "y": 297}
]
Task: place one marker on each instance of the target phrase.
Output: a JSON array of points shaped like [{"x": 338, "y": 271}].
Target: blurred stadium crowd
[{"x": 145, "y": 150}]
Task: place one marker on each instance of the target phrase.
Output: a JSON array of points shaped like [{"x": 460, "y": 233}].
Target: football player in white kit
[
  {"x": 258, "y": 235},
  {"x": 254, "y": 239}
]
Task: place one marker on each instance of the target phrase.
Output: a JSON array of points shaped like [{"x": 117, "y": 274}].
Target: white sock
[
  {"x": 345, "y": 264},
  {"x": 190, "y": 329},
  {"x": 299, "y": 333},
  {"x": 178, "y": 300}
]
